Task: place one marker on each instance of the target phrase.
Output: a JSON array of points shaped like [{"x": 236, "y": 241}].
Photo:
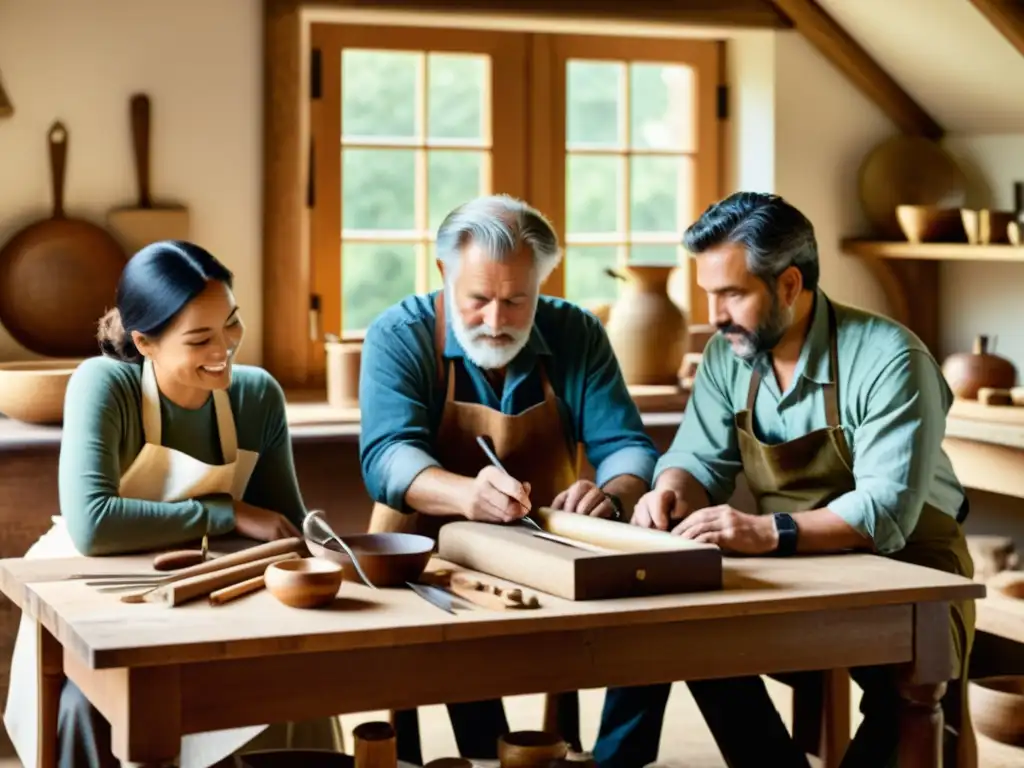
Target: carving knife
[{"x": 435, "y": 596}]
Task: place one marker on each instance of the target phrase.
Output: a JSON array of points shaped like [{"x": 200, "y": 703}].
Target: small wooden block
[
  {"x": 1017, "y": 395},
  {"x": 992, "y": 396}
]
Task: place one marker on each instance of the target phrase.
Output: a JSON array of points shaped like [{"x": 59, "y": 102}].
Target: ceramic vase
[{"x": 648, "y": 332}]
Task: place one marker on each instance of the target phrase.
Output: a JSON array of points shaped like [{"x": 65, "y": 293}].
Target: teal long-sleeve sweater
[{"x": 103, "y": 434}]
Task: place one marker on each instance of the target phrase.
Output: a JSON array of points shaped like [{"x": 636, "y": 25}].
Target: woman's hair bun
[{"x": 114, "y": 340}]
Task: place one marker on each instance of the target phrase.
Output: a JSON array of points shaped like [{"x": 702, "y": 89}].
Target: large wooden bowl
[
  {"x": 389, "y": 559},
  {"x": 33, "y": 390},
  {"x": 997, "y": 708}
]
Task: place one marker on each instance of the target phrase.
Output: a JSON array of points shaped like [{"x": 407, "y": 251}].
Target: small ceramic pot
[
  {"x": 529, "y": 749},
  {"x": 966, "y": 373},
  {"x": 305, "y": 582}
]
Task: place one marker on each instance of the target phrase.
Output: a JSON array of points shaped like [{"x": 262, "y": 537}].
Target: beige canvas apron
[
  {"x": 810, "y": 471},
  {"x": 158, "y": 473}
]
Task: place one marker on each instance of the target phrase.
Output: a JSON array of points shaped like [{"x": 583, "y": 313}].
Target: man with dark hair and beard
[{"x": 836, "y": 418}]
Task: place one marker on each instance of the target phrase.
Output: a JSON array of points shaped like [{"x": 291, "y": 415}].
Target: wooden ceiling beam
[
  {"x": 1007, "y": 16},
  {"x": 825, "y": 34}
]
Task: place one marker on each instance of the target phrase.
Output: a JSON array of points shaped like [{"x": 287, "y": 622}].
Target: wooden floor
[{"x": 682, "y": 746}]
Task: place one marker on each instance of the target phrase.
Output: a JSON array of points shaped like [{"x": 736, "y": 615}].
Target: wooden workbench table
[{"x": 157, "y": 672}]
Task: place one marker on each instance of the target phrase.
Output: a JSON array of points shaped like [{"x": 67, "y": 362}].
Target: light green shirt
[
  {"x": 893, "y": 402},
  {"x": 103, "y": 434}
]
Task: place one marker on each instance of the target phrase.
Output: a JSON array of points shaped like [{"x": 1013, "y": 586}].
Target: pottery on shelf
[
  {"x": 967, "y": 372},
  {"x": 647, "y": 330}
]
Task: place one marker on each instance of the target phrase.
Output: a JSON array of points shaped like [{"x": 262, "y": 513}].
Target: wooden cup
[
  {"x": 304, "y": 582},
  {"x": 528, "y": 749}
]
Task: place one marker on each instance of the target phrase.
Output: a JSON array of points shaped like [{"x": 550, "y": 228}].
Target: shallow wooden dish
[
  {"x": 525, "y": 749},
  {"x": 997, "y": 708},
  {"x": 389, "y": 559},
  {"x": 33, "y": 390},
  {"x": 306, "y": 582}
]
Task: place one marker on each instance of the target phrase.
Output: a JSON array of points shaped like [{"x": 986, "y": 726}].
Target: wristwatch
[
  {"x": 785, "y": 527},
  {"x": 616, "y": 503}
]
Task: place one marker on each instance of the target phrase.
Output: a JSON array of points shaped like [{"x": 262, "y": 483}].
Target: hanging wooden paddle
[{"x": 59, "y": 275}]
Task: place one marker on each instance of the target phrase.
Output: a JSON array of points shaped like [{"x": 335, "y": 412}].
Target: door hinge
[
  {"x": 723, "y": 102},
  {"x": 311, "y": 176},
  {"x": 314, "y": 317},
  {"x": 315, "y": 74}
]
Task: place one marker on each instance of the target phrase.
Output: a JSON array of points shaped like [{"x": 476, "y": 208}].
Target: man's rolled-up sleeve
[
  {"x": 612, "y": 429},
  {"x": 896, "y": 449},
  {"x": 705, "y": 445},
  {"x": 396, "y": 437}
]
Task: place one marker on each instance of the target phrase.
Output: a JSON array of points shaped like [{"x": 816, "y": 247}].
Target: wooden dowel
[
  {"x": 375, "y": 745},
  {"x": 188, "y": 589},
  {"x": 221, "y": 596}
]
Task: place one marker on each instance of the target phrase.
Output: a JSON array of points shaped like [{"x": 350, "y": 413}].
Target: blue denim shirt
[{"x": 401, "y": 400}]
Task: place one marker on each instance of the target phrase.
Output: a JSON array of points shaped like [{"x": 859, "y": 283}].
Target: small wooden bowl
[
  {"x": 997, "y": 708},
  {"x": 389, "y": 559},
  {"x": 306, "y": 582},
  {"x": 525, "y": 749},
  {"x": 931, "y": 224}
]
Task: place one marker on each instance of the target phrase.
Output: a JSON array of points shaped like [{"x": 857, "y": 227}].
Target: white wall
[
  {"x": 985, "y": 297},
  {"x": 200, "y": 61}
]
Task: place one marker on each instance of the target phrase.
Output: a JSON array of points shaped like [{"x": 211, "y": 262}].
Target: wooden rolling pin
[
  {"x": 182, "y": 591},
  {"x": 270, "y": 548},
  {"x": 617, "y": 536}
]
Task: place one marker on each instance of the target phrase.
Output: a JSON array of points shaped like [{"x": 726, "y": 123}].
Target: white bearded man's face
[{"x": 492, "y": 304}]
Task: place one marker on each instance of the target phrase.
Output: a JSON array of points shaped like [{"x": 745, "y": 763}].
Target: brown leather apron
[
  {"x": 810, "y": 471},
  {"x": 532, "y": 445}
]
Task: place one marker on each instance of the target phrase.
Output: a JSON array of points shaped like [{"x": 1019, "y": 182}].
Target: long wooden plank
[
  {"x": 109, "y": 633},
  {"x": 1007, "y": 16},
  {"x": 825, "y": 34}
]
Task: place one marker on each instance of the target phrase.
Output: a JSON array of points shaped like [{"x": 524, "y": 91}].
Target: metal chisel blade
[{"x": 435, "y": 596}]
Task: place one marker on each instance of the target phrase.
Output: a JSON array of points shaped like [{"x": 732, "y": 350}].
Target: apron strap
[
  {"x": 832, "y": 389},
  {"x": 152, "y": 426},
  {"x": 440, "y": 333}
]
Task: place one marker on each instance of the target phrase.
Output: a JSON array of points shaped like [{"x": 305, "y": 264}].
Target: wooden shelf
[{"x": 932, "y": 251}]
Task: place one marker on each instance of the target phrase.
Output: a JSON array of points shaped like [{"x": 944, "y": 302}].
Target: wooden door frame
[{"x": 287, "y": 268}]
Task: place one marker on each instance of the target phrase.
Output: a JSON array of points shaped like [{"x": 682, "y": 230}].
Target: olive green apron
[{"x": 810, "y": 471}]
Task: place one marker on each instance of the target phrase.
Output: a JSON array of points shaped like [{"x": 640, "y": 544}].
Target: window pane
[
  {"x": 586, "y": 281},
  {"x": 661, "y": 106},
  {"x": 660, "y": 193},
  {"x": 378, "y": 189},
  {"x": 373, "y": 277},
  {"x": 456, "y": 96},
  {"x": 655, "y": 254},
  {"x": 434, "y": 280},
  {"x": 453, "y": 178},
  {"x": 593, "y": 89},
  {"x": 378, "y": 93},
  {"x": 592, "y": 187}
]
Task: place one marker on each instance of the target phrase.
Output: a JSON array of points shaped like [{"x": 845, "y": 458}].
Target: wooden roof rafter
[
  {"x": 825, "y": 34},
  {"x": 1007, "y": 16}
]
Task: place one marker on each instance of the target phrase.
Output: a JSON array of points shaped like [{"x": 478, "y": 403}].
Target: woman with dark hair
[{"x": 165, "y": 440}]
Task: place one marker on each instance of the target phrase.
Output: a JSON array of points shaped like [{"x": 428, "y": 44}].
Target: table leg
[
  {"x": 835, "y": 721},
  {"x": 147, "y": 729},
  {"x": 923, "y": 684},
  {"x": 921, "y": 725},
  {"x": 51, "y": 680}
]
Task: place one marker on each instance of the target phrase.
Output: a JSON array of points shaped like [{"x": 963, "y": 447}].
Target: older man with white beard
[{"x": 488, "y": 356}]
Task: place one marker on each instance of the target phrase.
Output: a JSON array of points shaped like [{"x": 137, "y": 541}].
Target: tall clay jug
[{"x": 647, "y": 330}]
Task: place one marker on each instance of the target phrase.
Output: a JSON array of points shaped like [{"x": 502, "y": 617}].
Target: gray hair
[
  {"x": 499, "y": 224},
  {"x": 776, "y": 235}
]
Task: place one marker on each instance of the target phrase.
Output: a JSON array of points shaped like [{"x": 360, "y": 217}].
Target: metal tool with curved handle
[{"x": 316, "y": 528}]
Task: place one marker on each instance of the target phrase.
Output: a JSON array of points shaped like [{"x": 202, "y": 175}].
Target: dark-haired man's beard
[{"x": 748, "y": 344}]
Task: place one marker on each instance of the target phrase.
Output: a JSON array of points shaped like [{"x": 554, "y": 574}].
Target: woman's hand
[{"x": 262, "y": 524}]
